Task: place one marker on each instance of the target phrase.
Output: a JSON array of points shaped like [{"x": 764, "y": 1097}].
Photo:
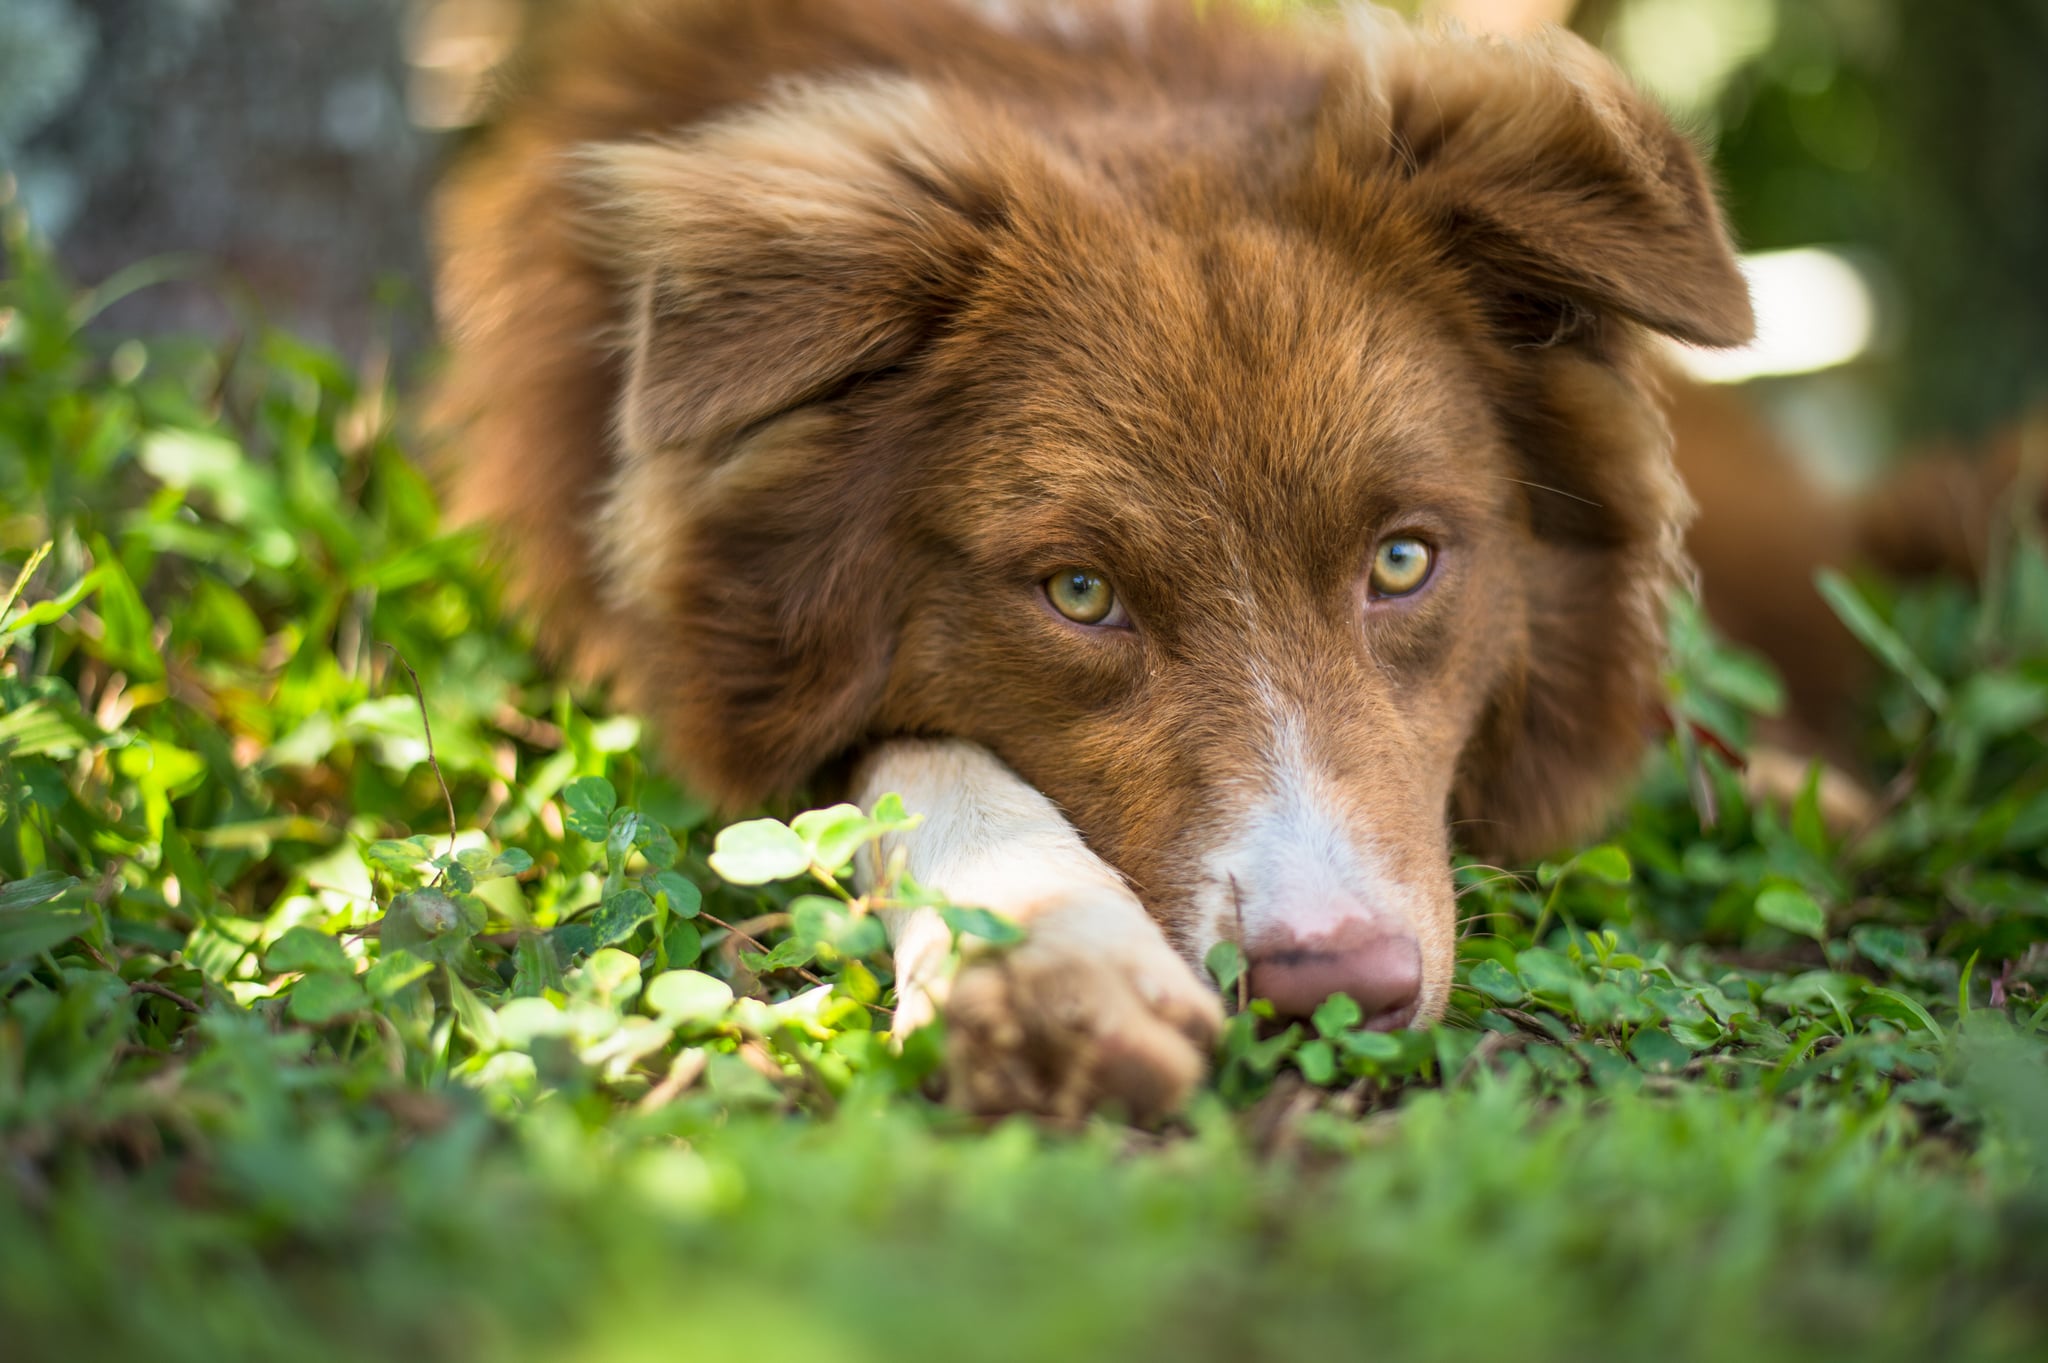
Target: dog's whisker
[
  {"x": 1545, "y": 487},
  {"x": 1500, "y": 873}
]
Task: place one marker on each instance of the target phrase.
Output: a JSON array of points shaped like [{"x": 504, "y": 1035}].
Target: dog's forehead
[{"x": 1237, "y": 376}]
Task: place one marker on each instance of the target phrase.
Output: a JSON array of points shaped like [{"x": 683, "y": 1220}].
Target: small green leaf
[
  {"x": 128, "y": 628},
  {"x": 814, "y": 918},
  {"x": 1656, "y": 1051},
  {"x": 989, "y": 926},
  {"x": 432, "y": 923},
  {"x": 683, "y": 944},
  {"x": 25, "y": 933},
  {"x": 524, "y": 1020},
  {"x": 758, "y": 851},
  {"x": 610, "y": 974},
  {"x": 1696, "y": 1034},
  {"x": 1226, "y": 965},
  {"x": 1335, "y": 1014},
  {"x": 477, "y": 1021},
  {"x": 788, "y": 954},
  {"x": 448, "y": 914},
  {"x": 1742, "y": 678},
  {"x": 1497, "y": 982},
  {"x": 393, "y": 972},
  {"x": 39, "y": 888},
  {"x": 1545, "y": 972},
  {"x": 404, "y": 860},
  {"x": 1809, "y": 829},
  {"x": 302, "y": 948},
  {"x": 473, "y": 859},
  {"x": 510, "y": 862},
  {"x": 1880, "y": 638},
  {"x": 620, "y": 835},
  {"x": 833, "y": 835},
  {"x": 685, "y": 900},
  {"x": 1891, "y": 1003},
  {"x": 656, "y": 844},
  {"x": 587, "y": 803},
  {"x": 1317, "y": 1061},
  {"x": 572, "y": 942},
  {"x": 1787, "y": 906},
  {"x": 484, "y": 864},
  {"x": 1605, "y": 863},
  {"x": 688, "y": 996},
  {"x": 817, "y": 921},
  {"x": 536, "y": 967},
  {"x": 1993, "y": 704},
  {"x": 1379, "y": 1048},
  {"x": 1263, "y": 1055},
  {"x": 864, "y": 936},
  {"x": 892, "y": 816},
  {"x": 1894, "y": 949},
  {"x": 620, "y": 915},
  {"x": 318, "y": 999}
]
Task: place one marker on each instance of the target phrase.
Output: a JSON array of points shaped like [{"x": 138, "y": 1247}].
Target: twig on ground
[
  {"x": 140, "y": 986},
  {"x": 534, "y": 733},
  {"x": 163, "y": 992},
  {"x": 687, "y": 1069},
  {"x": 763, "y": 924}
]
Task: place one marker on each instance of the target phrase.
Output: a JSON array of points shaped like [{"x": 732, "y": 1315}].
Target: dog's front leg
[{"x": 1094, "y": 1009}]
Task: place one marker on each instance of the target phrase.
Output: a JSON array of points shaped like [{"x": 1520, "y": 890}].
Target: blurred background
[{"x": 1885, "y": 161}]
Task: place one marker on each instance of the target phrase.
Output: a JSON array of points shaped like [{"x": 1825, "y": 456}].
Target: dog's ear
[
  {"x": 775, "y": 254},
  {"x": 783, "y": 268},
  {"x": 1546, "y": 174}
]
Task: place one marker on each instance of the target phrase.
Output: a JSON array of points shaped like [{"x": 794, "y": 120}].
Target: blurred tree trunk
[
  {"x": 1967, "y": 108},
  {"x": 269, "y": 137}
]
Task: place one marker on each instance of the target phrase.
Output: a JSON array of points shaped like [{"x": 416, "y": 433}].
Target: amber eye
[
  {"x": 1083, "y": 596},
  {"x": 1401, "y": 565}
]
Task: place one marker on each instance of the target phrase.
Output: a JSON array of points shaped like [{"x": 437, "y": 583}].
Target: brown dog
[{"x": 1200, "y": 461}]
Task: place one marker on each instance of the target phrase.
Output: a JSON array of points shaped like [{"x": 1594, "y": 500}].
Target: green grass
[{"x": 284, "y": 1071}]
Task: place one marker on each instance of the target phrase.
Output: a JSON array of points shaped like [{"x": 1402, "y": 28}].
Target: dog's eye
[
  {"x": 1084, "y": 597},
  {"x": 1401, "y": 565}
]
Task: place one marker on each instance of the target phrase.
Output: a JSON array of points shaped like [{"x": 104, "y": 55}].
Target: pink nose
[{"x": 1383, "y": 973}]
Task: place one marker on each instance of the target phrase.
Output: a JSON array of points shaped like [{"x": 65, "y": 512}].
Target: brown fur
[
  {"x": 1765, "y": 529},
  {"x": 794, "y": 342}
]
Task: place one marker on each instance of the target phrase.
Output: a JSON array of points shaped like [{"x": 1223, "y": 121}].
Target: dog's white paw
[
  {"x": 1093, "y": 1011},
  {"x": 1068, "y": 1023}
]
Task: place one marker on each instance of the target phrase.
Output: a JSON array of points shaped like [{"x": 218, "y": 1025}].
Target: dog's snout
[{"x": 1382, "y": 973}]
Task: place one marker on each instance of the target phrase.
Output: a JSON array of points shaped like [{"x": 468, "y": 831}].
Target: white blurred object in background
[{"x": 1815, "y": 310}]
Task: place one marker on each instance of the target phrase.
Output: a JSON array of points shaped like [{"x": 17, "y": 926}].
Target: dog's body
[{"x": 817, "y": 357}]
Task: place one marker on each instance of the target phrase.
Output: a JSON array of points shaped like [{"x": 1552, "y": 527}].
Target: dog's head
[{"x": 1281, "y": 496}]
